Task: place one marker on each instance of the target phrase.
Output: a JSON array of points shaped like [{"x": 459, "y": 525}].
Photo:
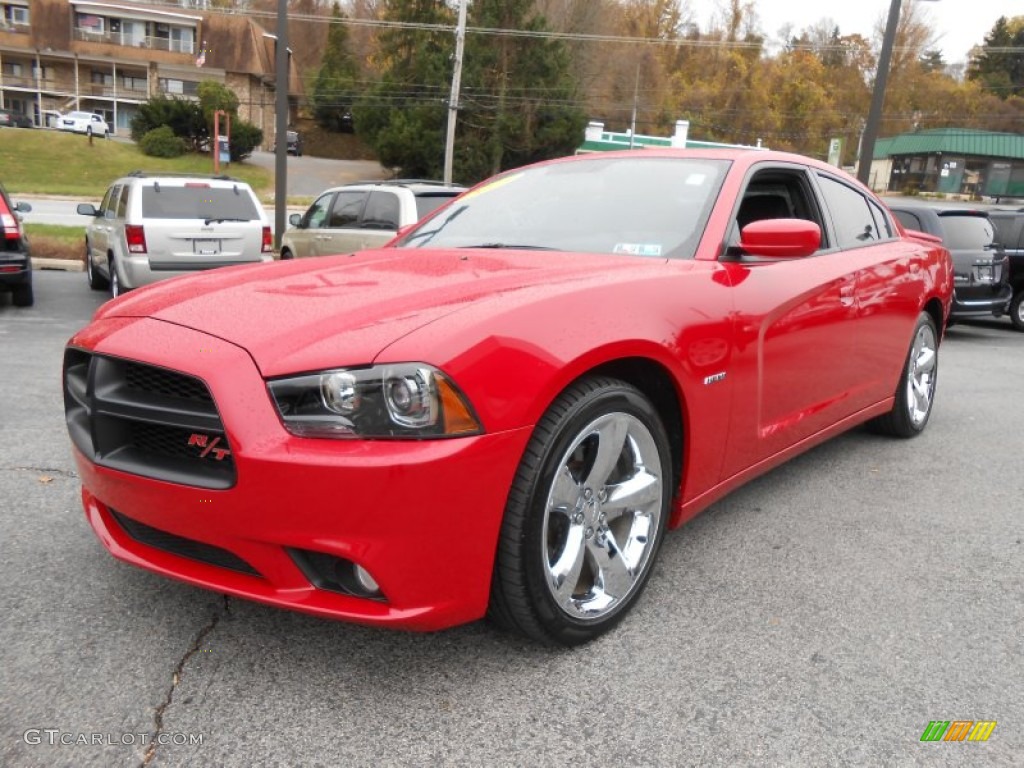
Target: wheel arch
[
  {"x": 659, "y": 386},
  {"x": 934, "y": 309}
]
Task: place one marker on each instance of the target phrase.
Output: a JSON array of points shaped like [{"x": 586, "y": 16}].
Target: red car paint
[{"x": 766, "y": 360}]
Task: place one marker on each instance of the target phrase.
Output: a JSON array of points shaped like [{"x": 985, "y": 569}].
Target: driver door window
[{"x": 316, "y": 216}]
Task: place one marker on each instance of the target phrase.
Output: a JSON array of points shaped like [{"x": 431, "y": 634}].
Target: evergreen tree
[
  {"x": 403, "y": 117},
  {"x": 335, "y": 88},
  {"x": 517, "y": 103},
  {"x": 995, "y": 67}
]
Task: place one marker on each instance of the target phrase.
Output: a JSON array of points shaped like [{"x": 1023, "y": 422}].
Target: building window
[
  {"x": 15, "y": 15},
  {"x": 182, "y": 87},
  {"x": 90, "y": 23},
  {"x": 12, "y": 69},
  {"x": 133, "y": 83},
  {"x": 183, "y": 39},
  {"x": 102, "y": 78}
]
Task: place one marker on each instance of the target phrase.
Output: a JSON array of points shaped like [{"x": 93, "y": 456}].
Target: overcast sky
[{"x": 958, "y": 24}]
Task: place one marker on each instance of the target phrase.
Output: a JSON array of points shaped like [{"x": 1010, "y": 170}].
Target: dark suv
[
  {"x": 15, "y": 261},
  {"x": 980, "y": 268},
  {"x": 1010, "y": 234}
]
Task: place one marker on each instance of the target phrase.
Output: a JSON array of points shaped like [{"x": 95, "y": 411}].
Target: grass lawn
[
  {"x": 47, "y": 162},
  {"x": 53, "y": 241}
]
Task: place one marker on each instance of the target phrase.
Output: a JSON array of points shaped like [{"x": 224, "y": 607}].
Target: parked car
[
  {"x": 88, "y": 123},
  {"x": 363, "y": 215},
  {"x": 294, "y": 143},
  {"x": 504, "y": 411},
  {"x": 151, "y": 227},
  {"x": 15, "y": 257},
  {"x": 11, "y": 119},
  {"x": 982, "y": 269},
  {"x": 1010, "y": 234}
]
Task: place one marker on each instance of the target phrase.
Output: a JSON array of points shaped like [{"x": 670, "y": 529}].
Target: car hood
[{"x": 308, "y": 314}]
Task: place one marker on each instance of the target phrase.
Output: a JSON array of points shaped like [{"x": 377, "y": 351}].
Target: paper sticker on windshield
[
  {"x": 696, "y": 179},
  {"x": 638, "y": 249}
]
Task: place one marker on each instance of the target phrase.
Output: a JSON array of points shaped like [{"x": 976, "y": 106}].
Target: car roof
[{"x": 417, "y": 187}]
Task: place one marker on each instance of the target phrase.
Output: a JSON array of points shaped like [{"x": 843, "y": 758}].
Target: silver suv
[
  {"x": 362, "y": 215},
  {"x": 151, "y": 227}
]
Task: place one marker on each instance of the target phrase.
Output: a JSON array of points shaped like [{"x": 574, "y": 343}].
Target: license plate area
[
  {"x": 983, "y": 273},
  {"x": 206, "y": 247}
]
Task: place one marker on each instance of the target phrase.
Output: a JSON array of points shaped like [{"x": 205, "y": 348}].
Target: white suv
[
  {"x": 151, "y": 227},
  {"x": 88, "y": 123},
  {"x": 362, "y": 215}
]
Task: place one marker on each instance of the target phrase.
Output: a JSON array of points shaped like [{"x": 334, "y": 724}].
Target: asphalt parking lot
[{"x": 822, "y": 615}]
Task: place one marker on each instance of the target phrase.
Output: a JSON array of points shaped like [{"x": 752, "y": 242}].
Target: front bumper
[{"x": 422, "y": 517}]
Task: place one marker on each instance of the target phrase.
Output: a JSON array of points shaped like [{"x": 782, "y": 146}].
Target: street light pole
[
  {"x": 867, "y": 145},
  {"x": 281, "y": 124}
]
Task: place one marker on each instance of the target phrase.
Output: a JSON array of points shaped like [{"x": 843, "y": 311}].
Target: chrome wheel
[
  {"x": 601, "y": 518},
  {"x": 921, "y": 375}
]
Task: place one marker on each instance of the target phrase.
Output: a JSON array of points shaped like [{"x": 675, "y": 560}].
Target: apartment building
[{"x": 109, "y": 57}]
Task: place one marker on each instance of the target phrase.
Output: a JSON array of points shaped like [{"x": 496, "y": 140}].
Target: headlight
[{"x": 401, "y": 400}]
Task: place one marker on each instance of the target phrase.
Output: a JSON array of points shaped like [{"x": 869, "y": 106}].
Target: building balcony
[{"x": 134, "y": 41}]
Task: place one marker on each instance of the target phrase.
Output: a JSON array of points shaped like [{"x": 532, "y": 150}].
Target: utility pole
[
  {"x": 867, "y": 143},
  {"x": 453, "y": 100},
  {"x": 281, "y": 124}
]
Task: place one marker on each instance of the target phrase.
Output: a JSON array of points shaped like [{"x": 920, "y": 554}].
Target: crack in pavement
[
  {"x": 158, "y": 715},
  {"x": 50, "y": 470}
]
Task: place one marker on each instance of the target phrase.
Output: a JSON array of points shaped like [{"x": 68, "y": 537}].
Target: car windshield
[
  {"x": 644, "y": 206},
  {"x": 197, "y": 202}
]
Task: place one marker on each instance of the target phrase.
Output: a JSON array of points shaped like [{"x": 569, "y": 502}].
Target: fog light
[{"x": 365, "y": 580}]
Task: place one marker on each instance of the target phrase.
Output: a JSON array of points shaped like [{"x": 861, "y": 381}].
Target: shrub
[
  {"x": 183, "y": 117},
  {"x": 161, "y": 142},
  {"x": 245, "y": 137}
]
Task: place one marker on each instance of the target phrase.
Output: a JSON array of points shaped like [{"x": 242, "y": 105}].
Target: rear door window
[
  {"x": 851, "y": 215},
  {"x": 197, "y": 202}
]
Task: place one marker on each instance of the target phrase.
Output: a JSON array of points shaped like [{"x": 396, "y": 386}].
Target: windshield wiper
[
  {"x": 227, "y": 218},
  {"x": 511, "y": 246}
]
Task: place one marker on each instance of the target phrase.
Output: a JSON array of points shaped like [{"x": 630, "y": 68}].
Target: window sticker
[
  {"x": 696, "y": 179},
  {"x": 638, "y": 249}
]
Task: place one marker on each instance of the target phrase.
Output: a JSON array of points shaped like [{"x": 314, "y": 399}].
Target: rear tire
[
  {"x": 585, "y": 515},
  {"x": 115, "y": 281},
  {"x": 22, "y": 295},
  {"x": 1017, "y": 310},
  {"x": 915, "y": 393},
  {"x": 286, "y": 254}
]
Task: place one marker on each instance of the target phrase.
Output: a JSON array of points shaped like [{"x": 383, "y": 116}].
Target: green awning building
[{"x": 956, "y": 161}]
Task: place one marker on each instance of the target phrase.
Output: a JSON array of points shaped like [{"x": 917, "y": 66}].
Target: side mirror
[
  {"x": 781, "y": 238},
  {"x": 87, "y": 209},
  {"x": 295, "y": 219},
  {"x": 22, "y": 207}
]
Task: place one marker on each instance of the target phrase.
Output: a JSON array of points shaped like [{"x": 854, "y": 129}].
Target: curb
[{"x": 66, "y": 265}]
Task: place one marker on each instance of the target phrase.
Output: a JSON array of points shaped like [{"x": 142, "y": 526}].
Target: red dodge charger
[{"x": 503, "y": 411}]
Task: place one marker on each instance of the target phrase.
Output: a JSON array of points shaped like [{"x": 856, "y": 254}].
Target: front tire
[
  {"x": 585, "y": 516},
  {"x": 1017, "y": 310},
  {"x": 915, "y": 393},
  {"x": 286, "y": 254}
]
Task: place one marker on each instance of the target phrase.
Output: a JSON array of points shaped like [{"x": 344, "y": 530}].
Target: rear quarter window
[
  {"x": 429, "y": 203},
  {"x": 163, "y": 202}
]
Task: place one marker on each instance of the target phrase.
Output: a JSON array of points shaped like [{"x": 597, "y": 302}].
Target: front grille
[
  {"x": 179, "y": 545},
  {"x": 148, "y": 378},
  {"x": 146, "y": 420}
]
